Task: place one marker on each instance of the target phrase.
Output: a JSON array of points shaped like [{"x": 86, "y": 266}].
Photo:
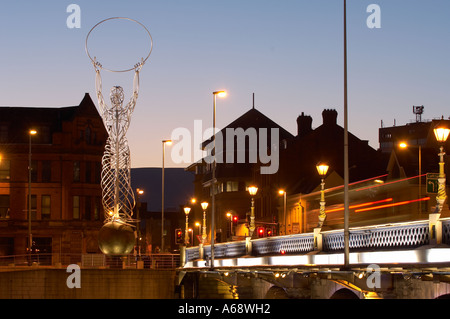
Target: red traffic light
[
  {"x": 261, "y": 231},
  {"x": 179, "y": 236}
]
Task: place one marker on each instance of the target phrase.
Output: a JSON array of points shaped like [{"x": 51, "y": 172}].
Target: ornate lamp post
[
  {"x": 204, "y": 207},
  {"x": 186, "y": 234},
  {"x": 283, "y": 192},
  {"x": 441, "y": 132},
  {"x": 322, "y": 169},
  {"x": 252, "y": 190}
]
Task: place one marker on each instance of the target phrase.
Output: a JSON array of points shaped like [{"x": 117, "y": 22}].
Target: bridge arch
[
  {"x": 276, "y": 292},
  {"x": 344, "y": 293}
]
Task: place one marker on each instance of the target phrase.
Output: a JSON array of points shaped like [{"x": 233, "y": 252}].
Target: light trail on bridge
[{"x": 392, "y": 205}]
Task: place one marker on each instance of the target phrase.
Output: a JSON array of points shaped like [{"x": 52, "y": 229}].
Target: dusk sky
[{"x": 288, "y": 52}]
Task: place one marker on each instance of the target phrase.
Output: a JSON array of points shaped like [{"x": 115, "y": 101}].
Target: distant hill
[{"x": 179, "y": 187}]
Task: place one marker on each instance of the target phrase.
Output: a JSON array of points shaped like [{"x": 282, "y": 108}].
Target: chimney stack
[
  {"x": 329, "y": 117},
  {"x": 304, "y": 124}
]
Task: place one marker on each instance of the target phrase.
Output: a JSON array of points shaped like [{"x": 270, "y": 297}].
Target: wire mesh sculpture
[{"x": 117, "y": 195}]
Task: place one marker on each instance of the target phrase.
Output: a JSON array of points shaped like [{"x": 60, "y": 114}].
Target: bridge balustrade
[{"x": 386, "y": 237}]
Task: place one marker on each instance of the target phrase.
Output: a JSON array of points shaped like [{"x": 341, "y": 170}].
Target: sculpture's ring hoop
[{"x": 133, "y": 68}]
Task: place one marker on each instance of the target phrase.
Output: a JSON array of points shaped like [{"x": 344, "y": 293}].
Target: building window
[
  {"x": 76, "y": 207},
  {"x": 4, "y": 206},
  {"x": 5, "y": 170},
  {"x": 45, "y": 207},
  {"x": 76, "y": 171},
  {"x": 44, "y": 136},
  {"x": 88, "y": 172},
  {"x": 97, "y": 203},
  {"x": 34, "y": 171},
  {"x": 33, "y": 206},
  {"x": 87, "y": 135},
  {"x": 46, "y": 171},
  {"x": 284, "y": 144},
  {"x": 87, "y": 208},
  {"x": 232, "y": 186}
]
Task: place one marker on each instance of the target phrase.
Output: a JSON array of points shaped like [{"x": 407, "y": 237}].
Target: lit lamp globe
[
  {"x": 253, "y": 190},
  {"x": 441, "y": 133},
  {"x": 116, "y": 238},
  {"x": 322, "y": 169}
]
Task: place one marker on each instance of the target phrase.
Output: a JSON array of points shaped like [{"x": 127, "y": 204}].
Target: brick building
[
  {"x": 234, "y": 176},
  {"x": 66, "y": 152},
  {"x": 296, "y": 174}
]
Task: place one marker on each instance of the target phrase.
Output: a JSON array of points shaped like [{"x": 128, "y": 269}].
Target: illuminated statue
[
  {"x": 116, "y": 236},
  {"x": 118, "y": 196}
]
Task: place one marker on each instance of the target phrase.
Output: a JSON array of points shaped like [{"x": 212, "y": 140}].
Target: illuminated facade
[
  {"x": 384, "y": 184},
  {"x": 66, "y": 152},
  {"x": 299, "y": 177}
]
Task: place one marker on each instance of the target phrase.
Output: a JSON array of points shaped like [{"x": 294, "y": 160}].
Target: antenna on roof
[
  {"x": 418, "y": 110},
  {"x": 253, "y": 100}
]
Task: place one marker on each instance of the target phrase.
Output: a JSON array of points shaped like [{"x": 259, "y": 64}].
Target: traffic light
[
  {"x": 260, "y": 232},
  {"x": 235, "y": 220},
  {"x": 179, "y": 236},
  {"x": 269, "y": 232}
]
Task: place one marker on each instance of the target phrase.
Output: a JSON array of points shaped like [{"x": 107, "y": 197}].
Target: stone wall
[{"x": 50, "y": 283}]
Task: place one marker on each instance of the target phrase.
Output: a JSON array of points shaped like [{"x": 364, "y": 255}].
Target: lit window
[
  {"x": 45, "y": 207},
  {"x": 76, "y": 207}
]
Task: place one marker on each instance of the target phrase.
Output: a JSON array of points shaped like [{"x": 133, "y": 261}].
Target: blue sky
[{"x": 288, "y": 52}]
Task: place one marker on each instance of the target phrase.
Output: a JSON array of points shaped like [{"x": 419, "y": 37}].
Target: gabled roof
[
  {"x": 254, "y": 119},
  {"x": 21, "y": 119}
]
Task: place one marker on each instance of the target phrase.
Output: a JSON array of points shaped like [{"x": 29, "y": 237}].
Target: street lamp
[
  {"x": 230, "y": 223},
  {"x": 204, "y": 207},
  {"x": 186, "y": 235},
  {"x": 252, "y": 190},
  {"x": 441, "y": 132},
  {"x": 139, "y": 192},
  {"x": 322, "y": 169},
  {"x": 164, "y": 142},
  {"x": 215, "y": 94},
  {"x": 283, "y": 192},
  {"x": 31, "y": 133},
  {"x": 404, "y": 145}
]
